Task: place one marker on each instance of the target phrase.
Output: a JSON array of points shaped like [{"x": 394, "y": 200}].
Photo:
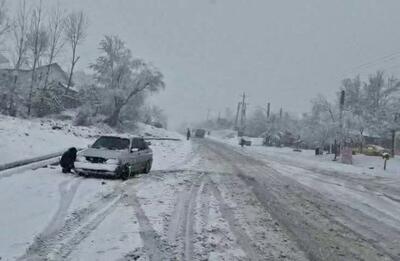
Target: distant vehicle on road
[
  {"x": 200, "y": 133},
  {"x": 118, "y": 156},
  {"x": 243, "y": 142},
  {"x": 374, "y": 150}
]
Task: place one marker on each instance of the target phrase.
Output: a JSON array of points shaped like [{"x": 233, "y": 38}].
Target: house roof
[{"x": 54, "y": 66}]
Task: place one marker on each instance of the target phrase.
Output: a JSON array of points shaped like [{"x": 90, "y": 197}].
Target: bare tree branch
[
  {"x": 37, "y": 41},
  {"x": 75, "y": 30}
]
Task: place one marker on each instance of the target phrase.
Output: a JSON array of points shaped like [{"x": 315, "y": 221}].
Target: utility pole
[
  {"x": 237, "y": 116},
  {"x": 396, "y": 120},
  {"x": 268, "y": 109},
  {"x": 243, "y": 113},
  {"x": 240, "y": 120},
  {"x": 342, "y": 97},
  {"x": 341, "y": 107},
  {"x": 280, "y": 113},
  {"x": 208, "y": 114},
  {"x": 393, "y": 142}
]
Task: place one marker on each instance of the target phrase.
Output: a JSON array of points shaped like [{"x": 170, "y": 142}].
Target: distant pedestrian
[
  {"x": 188, "y": 134},
  {"x": 68, "y": 159}
]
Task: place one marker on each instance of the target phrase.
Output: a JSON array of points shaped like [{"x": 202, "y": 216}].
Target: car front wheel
[{"x": 123, "y": 172}]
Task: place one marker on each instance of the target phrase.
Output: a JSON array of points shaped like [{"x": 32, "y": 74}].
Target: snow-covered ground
[
  {"x": 203, "y": 200},
  {"x": 49, "y": 214},
  {"x": 39, "y": 205},
  {"x": 187, "y": 208}
]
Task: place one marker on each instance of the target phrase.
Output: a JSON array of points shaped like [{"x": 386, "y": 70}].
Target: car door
[
  {"x": 134, "y": 155},
  {"x": 146, "y": 152},
  {"x": 143, "y": 152}
]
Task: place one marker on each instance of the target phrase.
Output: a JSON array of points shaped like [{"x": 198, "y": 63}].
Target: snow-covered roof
[{"x": 54, "y": 66}]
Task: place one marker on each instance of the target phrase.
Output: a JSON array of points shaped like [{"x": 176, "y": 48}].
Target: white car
[{"x": 118, "y": 156}]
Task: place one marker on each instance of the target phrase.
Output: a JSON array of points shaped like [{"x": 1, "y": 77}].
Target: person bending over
[{"x": 68, "y": 159}]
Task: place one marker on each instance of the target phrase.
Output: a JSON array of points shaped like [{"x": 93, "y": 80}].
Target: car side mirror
[{"x": 148, "y": 143}]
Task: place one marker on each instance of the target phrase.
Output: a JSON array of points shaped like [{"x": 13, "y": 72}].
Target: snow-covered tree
[
  {"x": 371, "y": 106},
  {"x": 257, "y": 123},
  {"x": 123, "y": 77},
  {"x": 152, "y": 114}
]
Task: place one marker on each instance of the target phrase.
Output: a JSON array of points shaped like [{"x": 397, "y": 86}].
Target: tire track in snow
[
  {"x": 177, "y": 217},
  {"x": 67, "y": 190},
  {"x": 189, "y": 219},
  {"x": 64, "y": 232},
  {"x": 180, "y": 228},
  {"x": 243, "y": 239},
  {"x": 155, "y": 248},
  {"x": 67, "y": 247},
  {"x": 201, "y": 231}
]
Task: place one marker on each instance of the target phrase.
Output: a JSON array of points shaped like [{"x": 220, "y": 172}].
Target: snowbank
[
  {"x": 23, "y": 139},
  {"x": 153, "y": 132},
  {"x": 362, "y": 164}
]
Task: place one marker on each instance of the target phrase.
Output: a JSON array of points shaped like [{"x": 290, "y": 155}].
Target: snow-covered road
[{"x": 203, "y": 201}]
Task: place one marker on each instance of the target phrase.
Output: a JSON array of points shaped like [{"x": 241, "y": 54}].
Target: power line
[{"x": 375, "y": 61}]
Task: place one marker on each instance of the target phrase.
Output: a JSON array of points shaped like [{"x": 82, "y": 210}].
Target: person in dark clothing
[
  {"x": 68, "y": 159},
  {"x": 188, "y": 134},
  {"x": 242, "y": 142}
]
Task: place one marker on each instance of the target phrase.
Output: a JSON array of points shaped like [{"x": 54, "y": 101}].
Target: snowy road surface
[{"x": 217, "y": 202}]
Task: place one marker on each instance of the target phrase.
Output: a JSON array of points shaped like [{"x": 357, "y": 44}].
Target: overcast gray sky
[{"x": 282, "y": 51}]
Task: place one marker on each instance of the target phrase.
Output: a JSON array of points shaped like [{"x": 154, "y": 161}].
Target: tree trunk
[
  {"x": 114, "y": 118},
  {"x": 41, "y": 111},
  {"x": 33, "y": 82},
  {"x": 74, "y": 61},
  {"x": 11, "y": 110},
  {"x": 70, "y": 78}
]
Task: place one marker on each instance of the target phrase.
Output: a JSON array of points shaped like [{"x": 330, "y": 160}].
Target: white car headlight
[
  {"x": 112, "y": 161},
  {"x": 81, "y": 159}
]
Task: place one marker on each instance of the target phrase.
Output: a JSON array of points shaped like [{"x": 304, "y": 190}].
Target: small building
[{"x": 57, "y": 81}]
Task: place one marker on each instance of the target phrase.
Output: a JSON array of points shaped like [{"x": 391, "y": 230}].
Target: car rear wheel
[{"x": 147, "y": 167}]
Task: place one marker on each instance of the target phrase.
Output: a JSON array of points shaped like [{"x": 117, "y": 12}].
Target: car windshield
[{"x": 111, "y": 143}]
